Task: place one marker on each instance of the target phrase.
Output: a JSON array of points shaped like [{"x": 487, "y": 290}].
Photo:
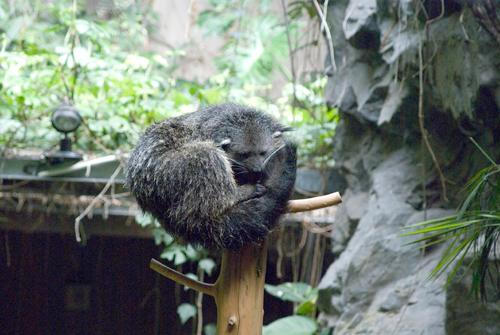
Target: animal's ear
[
  {"x": 224, "y": 143},
  {"x": 280, "y": 132}
]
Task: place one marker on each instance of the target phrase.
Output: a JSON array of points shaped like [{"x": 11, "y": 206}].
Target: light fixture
[{"x": 65, "y": 119}]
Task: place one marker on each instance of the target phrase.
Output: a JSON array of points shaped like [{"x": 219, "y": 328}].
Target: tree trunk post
[{"x": 239, "y": 290}]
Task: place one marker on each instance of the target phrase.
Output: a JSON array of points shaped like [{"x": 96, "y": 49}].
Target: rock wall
[{"x": 375, "y": 285}]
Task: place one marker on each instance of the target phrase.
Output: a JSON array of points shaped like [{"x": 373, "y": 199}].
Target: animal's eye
[
  {"x": 243, "y": 155},
  {"x": 263, "y": 153}
]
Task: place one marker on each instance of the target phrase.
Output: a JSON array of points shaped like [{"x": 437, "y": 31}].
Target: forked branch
[{"x": 294, "y": 206}]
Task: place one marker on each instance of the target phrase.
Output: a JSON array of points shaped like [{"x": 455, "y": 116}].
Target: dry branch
[
  {"x": 239, "y": 290},
  {"x": 182, "y": 279},
  {"x": 304, "y": 205},
  {"x": 294, "y": 206}
]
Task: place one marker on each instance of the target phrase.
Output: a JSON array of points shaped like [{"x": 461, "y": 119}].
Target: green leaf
[
  {"x": 174, "y": 253},
  {"x": 82, "y": 26},
  {"x": 186, "y": 311},
  {"x": 192, "y": 276},
  {"x": 143, "y": 219},
  {"x": 307, "y": 307},
  {"x": 468, "y": 200},
  {"x": 291, "y": 325},
  {"x": 207, "y": 264},
  {"x": 82, "y": 56},
  {"x": 296, "y": 292},
  {"x": 161, "y": 236},
  {"x": 442, "y": 220},
  {"x": 120, "y": 124},
  {"x": 191, "y": 253},
  {"x": 325, "y": 331},
  {"x": 210, "y": 329},
  {"x": 493, "y": 163},
  {"x": 180, "y": 254}
]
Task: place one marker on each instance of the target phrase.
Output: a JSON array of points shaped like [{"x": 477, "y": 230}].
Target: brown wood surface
[{"x": 239, "y": 290}]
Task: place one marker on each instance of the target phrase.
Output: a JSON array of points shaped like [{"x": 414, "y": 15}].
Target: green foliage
[
  {"x": 306, "y": 297},
  {"x": 186, "y": 311},
  {"x": 174, "y": 252},
  {"x": 97, "y": 67},
  {"x": 299, "y": 7},
  {"x": 91, "y": 64},
  {"x": 207, "y": 265},
  {"x": 179, "y": 254},
  {"x": 291, "y": 325},
  {"x": 315, "y": 122},
  {"x": 296, "y": 292},
  {"x": 474, "y": 230},
  {"x": 210, "y": 329},
  {"x": 256, "y": 44}
]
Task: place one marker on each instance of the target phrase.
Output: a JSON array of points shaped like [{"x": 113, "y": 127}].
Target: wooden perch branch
[
  {"x": 294, "y": 206},
  {"x": 239, "y": 290},
  {"x": 182, "y": 279},
  {"x": 304, "y": 205}
]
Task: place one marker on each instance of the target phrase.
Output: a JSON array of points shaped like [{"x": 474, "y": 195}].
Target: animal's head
[{"x": 250, "y": 139}]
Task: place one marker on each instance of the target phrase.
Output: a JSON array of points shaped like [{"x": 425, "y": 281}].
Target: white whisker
[{"x": 273, "y": 153}]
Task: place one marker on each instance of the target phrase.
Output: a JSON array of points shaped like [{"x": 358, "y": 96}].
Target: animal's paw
[{"x": 260, "y": 190}]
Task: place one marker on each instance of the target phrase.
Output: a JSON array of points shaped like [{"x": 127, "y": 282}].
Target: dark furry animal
[{"x": 219, "y": 177}]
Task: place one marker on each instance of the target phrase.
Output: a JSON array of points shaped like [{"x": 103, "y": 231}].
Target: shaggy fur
[{"x": 220, "y": 177}]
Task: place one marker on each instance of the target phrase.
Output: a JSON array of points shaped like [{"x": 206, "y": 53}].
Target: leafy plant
[
  {"x": 256, "y": 43},
  {"x": 119, "y": 91},
  {"x": 186, "y": 311},
  {"x": 315, "y": 122},
  {"x": 474, "y": 230},
  {"x": 179, "y": 255},
  {"x": 301, "y": 293},
  {"x": 90, "y": 64},
  {"x": 305, "y": 296},
  {"x": 291, "y": 325}
]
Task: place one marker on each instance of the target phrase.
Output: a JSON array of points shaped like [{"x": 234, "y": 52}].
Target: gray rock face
[{"x": 375, "y": 284}]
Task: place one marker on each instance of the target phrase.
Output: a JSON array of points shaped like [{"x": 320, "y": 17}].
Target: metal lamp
[{"x": 65, "y": 119}]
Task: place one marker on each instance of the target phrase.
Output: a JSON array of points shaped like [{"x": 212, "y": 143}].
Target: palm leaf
[{"x": 474, "y": 230}]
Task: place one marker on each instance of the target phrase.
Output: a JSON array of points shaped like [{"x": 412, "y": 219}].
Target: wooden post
[{"x": 239, "y": 290}]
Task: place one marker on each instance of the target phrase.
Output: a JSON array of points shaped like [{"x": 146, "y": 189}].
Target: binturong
[{"x": 220, "y": 177}]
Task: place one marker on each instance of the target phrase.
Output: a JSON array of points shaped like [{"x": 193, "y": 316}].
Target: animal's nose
[{"x": 257, "y": 169}]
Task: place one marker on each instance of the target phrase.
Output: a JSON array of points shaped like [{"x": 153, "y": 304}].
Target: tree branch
[
  {"x": 324, "y": 26},
  {"x": 304, "y": 205},
  {"x": 182, "y": 279},
  {"x": 294, "y": 206}
]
